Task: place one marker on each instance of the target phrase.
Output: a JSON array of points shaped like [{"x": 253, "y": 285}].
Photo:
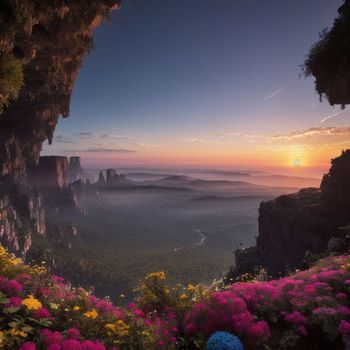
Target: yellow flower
[
  {"x": 91, "y": 314},
  {"x": 2, "y": 336},
  {"x": 191, "y": 288},
  {"x": 183, "y": 296},
  {"x": 110, "y": 326},
  {"x": 119, "y": 327},
  {"x": 122, "y": 329},
  {"x": 54, "y": 306},
  {"x": 76, "y": 308},
  {"x": 16, "y": 332},
  {"x": 156, "y": 275},
  {"x": 31, "y": 303}
]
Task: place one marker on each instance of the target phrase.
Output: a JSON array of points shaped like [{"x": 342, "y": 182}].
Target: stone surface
[
  {"x": 51, "y": 40},
  {"x": 335, "y": 185},
  {"x": 101, "y": 179},
  {"x": 52, "y": 171},
  {"x": 292, "y": 225},
  {"x": 114, "y": 178},
  {"x": 75, "y": 170}
]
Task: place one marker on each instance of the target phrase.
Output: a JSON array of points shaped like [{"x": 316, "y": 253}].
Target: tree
[{"x": 329, "y": 60}]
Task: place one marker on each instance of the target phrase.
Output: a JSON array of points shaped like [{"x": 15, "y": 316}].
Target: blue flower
[{"x": 224, "y": 341}]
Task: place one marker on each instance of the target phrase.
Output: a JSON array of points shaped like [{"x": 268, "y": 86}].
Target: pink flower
[
  {"x": 90, "y": 345},
  {"x": 302, "y": 330},
  {"x": 51, "y": 337},
  {"x": 161, "y": 342},
  {"x": 58, "y": 279},
  {"x": 296, "y": 317},
  {"x": 71, "y": 344},
  {"x": 139, "y": 313},
  {"x": 12, "y": 286},
  {"x": 23, "y": 278},
  {"x": 41, "y": 313},
  {"x": 54, "y": 347},
  {"x": 44, "y": 291},
  {"x": 28, "y": 345},
  {"x": 344, "y": 327},
  {"x": 73, "y": 333},
  {"x": 260, "y": 330},
  {"x": 14, "y": 302}
]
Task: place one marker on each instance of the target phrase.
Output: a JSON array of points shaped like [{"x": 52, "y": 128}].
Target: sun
[{"x": 296, "y": 163}]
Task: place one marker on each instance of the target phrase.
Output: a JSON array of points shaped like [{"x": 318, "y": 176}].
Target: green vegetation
[
  {"x": 11, "y": 79},
  {"x": 329, "y": 58}
]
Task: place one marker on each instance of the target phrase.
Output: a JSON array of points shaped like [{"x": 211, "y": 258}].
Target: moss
[{"x": 11, "y": 79}]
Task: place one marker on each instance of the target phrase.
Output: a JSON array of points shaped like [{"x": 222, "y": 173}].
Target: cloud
[
  {"x": 101, "y": 150},
  {"x": 331, "y": 116},
  {"x": 274, "y": 94},
  {"x": 83, "y": 133},
  {"x": 314, "y": 131},
  {"x": 62, "y": 139},
  {"x": 313, "y": 105}
]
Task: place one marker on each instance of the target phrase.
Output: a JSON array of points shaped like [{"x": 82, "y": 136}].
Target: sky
[{"x": 204, "y": 83}]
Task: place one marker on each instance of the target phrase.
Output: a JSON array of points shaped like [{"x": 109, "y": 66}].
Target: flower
[
  {"x": 14, "y": 302},
  {"x": 12, "y": 287},
  {"x": 51, "y": 337},
  {"x": 73, "y": 333},
  {"x": 344, "y": 327},
  {"x": 28, "y": 345},
  {"x": 42, "y": 313},
  {"x": 224, "y": 341},
  {"x": 16, "y": 332},
  {"x": 54, "y": 347},
  {"x": 31, "y": 303},
  {"x": 91, "y": 314},
  {"x": 54, "y": 306},
  {"x": 71, "y": 344}
]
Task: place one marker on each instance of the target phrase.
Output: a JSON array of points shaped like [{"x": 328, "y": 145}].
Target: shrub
[{"x": 11, "y": 79}]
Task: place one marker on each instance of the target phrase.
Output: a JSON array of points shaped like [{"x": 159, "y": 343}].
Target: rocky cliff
[
  {"x": 51, "y": 42},
  {"x": 44, "y": 44},
  {"x": 292, "y": 225},
  {"x": 75, "y": 170}
]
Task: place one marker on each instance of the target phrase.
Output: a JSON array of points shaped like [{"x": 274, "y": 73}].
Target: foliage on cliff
[
  {"x": 11, "y": 79},
  {"x": 329, "y": 59},
  {"x": 309, "y": 309}
]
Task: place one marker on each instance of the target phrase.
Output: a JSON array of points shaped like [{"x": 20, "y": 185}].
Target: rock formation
[
  {"x": 48, "y": 43},
  {"x": 335, "y": 185},
  {"x": 75, "y": 170},
  {"x": 114, "y": 178},
  {"x": 310, "y": 222},
  {"x": 52, "y": 171},
  {"x": 292, "y": 225},
  {"x": 51, "y": 41},
  {"x": 21, "y": 215},
  {"x": 101, "y": 179}
]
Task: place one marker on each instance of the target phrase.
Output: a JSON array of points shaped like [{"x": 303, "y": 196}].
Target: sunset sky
[{"x": 204, "y": 82}]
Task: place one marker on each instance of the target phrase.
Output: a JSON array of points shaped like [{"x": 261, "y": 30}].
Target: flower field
[{"x": 307, "y": 310}]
